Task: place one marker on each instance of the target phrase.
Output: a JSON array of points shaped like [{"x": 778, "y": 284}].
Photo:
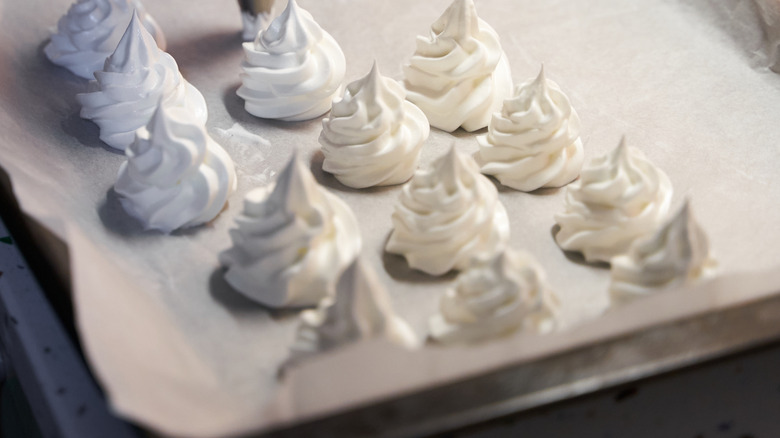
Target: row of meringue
[
  {"x": 176, "y": 175},
  {"x": 295, "y": 246},
  {"x": 458, "y": 76},
  {"x": 618, "y": 212}
]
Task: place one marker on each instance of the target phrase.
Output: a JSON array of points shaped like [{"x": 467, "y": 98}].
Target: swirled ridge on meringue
[
  {"x": 534, "y": 141},
  {"x": 90, "y": 31},
  {"x": 176, "y": 175},
  {"x": 448, "y": 216},
  {"x": 359, "y": 309},
  {"x": 619, "y": 198},
  {"x": 495, "y": 299},
  {"x": 677, "y": 253},
  {"x": 459, "y": 75},
  {"x": 373, "y": 136},
  {"x": 126, "y": 93},
  {"x": 292, "y": 70},
  {"x": 292, "y": 241}
]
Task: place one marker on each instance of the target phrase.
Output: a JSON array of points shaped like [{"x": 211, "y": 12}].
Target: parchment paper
[{"x": 179, "y": 352}]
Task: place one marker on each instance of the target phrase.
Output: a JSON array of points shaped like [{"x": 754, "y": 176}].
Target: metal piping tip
[{"x": 256, "y": 7}]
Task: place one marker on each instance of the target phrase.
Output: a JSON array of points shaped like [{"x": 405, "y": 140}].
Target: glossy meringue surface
[
  {"x": 373, "y": 136},
  {"x": 534, "y": 142},
  {"x": 459, "y": 75},
  {"x": 677, "y": 253},
  {"x": 176, "y": 175},
  {"x": 90, "y": 31},
  {"x": 620, "y": 197},
  {"x": 448, "y": 216},
  {"x": 292, "y": 70},
  {"x": 135, "y": 78},
  {"x": 495, "y": 299},
  {"x": 291, "y": 242},
  {"x": 359, "y": 309}
]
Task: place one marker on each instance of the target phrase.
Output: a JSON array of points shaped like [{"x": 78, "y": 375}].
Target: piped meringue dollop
[
  {"x": 292, "y": 70},
  {"x": 373, "y": 136},
  {"x": 677, "y": 253},
  {"x": 91, "y": 30},
  {"x": 292, "y": 241},
  {"x": 534, "y": 141},
  {"x": 448, "y": 217},
  {"x": 620, "y": 197},
  {"x": 127, "y": 91},
  {"x": 176, "y": 175},
  {"x": 459, "y": 75},
  {"x": 495, "y": 299},
  {"x": 359, "y": 309}
]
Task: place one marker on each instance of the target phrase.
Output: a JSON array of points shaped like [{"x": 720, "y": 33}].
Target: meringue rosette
[
  {"x": 90, "y": 31},
  {"x": 176, "y": 175},
  {"x": 292, "y": 70},
  {"x": 495, "y": 299},
  {"x": 373, "y": 136},
  {"x": 677, "y": 253},
  {"x": 459, "y": 75},
  {"x": 359, "y": 309},
  {"x": 126, "y": 93},
  {"x": 448, "y": 217},
  {"x": 292, "y": 241},
  {"x": 620, "y": 197},
  {"x": 534, "y": 142}
]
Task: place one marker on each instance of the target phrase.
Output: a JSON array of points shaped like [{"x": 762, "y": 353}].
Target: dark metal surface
[
  {"x": 647, "y": 353},
  {"x": 63, "y": 396}
]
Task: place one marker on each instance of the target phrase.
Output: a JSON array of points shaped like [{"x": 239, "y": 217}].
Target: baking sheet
[{"x": 181, "y": 353}]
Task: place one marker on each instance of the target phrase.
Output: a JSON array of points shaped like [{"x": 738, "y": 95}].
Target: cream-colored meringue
[
  {"x": 459, "y": 75},
  {"x": 176, "y": 175},
  {"x": 677, "y": 253},
  {"x": 127, "y": 91},
  {"x": 292, "y": 70},
  {"x": 373, "y": 136},
  {"x": 292, "y": 241},
  {"x": 448, "y": 216},
  {"x": 619, "y": 198},
  {"x": 534, "y": 141},
  {"x": 359, "y": 309},
  {"x": 495, "y": 299},
  {"x": 91, "y": 30}
]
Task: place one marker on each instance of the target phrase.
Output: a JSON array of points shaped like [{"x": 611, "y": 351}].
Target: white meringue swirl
[
  {"x": 293, "y": 69},
  {"x": 90, "y": 31},
  {"x": 176, "y": 175},
  {"x": 127, "y": 91},
  {"x": 373, "y": 136},
  {"x": 359, "y": 309},
  {"x": 292, "y": 241},
  {"x": 495, "y": 299},
  {"x": 534, "y": 141},
  {"x": 448, "y": 217},
  {"x": 677, "y": 253},
  {"x": 460, "y": 75},
  {"x": 619, "y": 197}
]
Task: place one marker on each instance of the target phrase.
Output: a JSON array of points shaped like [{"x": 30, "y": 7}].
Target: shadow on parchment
[
  {"x": 328, "y": 180},
  {"x": 574, "y": 256},
  {"x": 235, "y": 108},
  {"x": 116, "y": 220},
  {"x": 205, "y": 49},
  {"x": 399, "y": 269},
  {"x": 237, "y": 303}
]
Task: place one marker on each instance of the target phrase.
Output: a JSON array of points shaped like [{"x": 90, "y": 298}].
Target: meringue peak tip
[
  {"x": 135, "y": 45},
  {"x": 459, "y": 19},
  {"x": 622, "y": 148},
  {"x": 541, "y": 81}
]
